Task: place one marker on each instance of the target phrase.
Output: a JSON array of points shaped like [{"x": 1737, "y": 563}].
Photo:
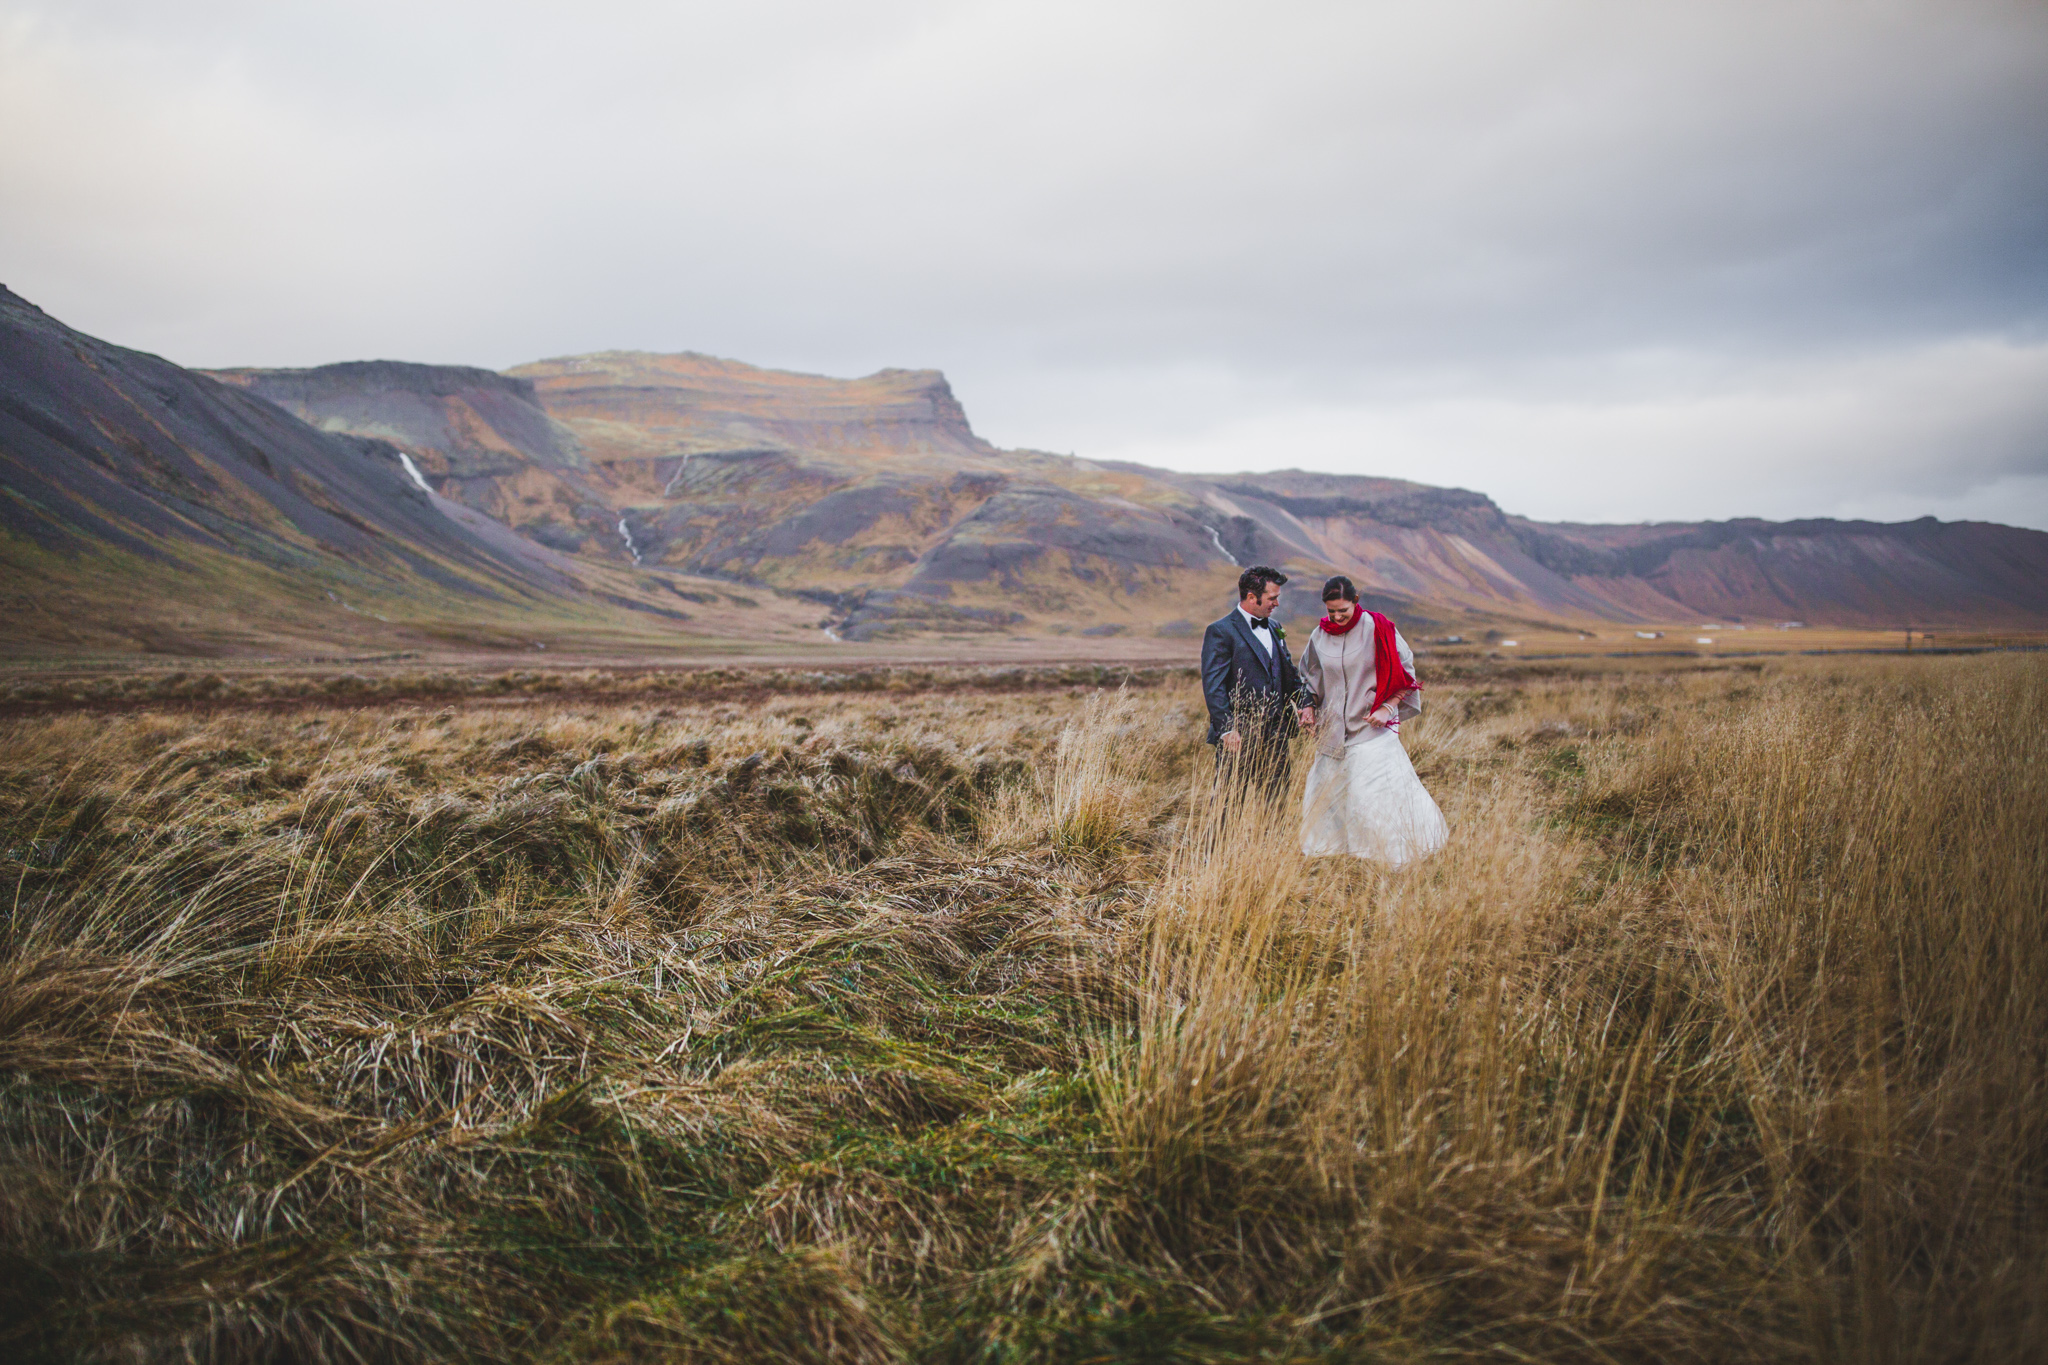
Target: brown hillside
[
  {"x": 144, "y": 507},
  {"x": 875, "y": 496}
]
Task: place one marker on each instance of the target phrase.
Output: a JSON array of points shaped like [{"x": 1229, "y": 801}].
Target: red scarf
[
  {"x": 1330, "y": 626},
  {"x": 1390, "y": 676}
]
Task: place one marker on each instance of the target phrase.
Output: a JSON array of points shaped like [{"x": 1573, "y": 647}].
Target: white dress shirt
[{"x": 1261, "y": 631}]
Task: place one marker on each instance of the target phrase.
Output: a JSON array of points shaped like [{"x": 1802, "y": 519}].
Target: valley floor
[
  {"x": 33, "y": 661},
  {"x": 950, "y": 1015}
]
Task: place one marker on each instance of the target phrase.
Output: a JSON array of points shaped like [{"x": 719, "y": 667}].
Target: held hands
[{"x": 1231, "y": 742}]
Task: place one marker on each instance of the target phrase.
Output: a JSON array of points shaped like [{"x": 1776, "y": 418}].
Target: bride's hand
[{"x": 1308, "y": 717}]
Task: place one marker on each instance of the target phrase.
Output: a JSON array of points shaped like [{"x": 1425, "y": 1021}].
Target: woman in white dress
[{"x": 1363, "y": 795}]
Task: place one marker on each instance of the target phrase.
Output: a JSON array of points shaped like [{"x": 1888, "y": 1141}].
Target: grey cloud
[{"x": 1130, "y": 227}]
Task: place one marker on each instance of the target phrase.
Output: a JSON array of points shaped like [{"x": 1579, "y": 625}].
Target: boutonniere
[{"x": 1279, "y": 632}]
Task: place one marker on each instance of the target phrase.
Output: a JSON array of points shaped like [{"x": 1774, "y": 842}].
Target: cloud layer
[{"x": 1602, "y": 260}]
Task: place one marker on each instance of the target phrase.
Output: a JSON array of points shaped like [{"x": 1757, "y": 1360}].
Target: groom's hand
[
  {"x": 1231, "y": 742},
  {"x": 1308, "y": 717}
]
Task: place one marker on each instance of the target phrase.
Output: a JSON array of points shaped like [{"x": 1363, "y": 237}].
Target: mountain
[
  {"x": 872, "y": 496},
  {"x": 624, "y": 501},
  {"x": 144, "y": 506},
  {"x": 875, "y": 495},
  {"x": 1855, "y": 573},
  {"x": 1450, "y": 546}
]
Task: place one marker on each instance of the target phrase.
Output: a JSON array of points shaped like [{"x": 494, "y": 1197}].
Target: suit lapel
[{"x": 1251, "y": 642}]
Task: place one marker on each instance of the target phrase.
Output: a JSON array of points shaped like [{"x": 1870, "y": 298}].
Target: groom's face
[{"x": 1263, "y": 604}]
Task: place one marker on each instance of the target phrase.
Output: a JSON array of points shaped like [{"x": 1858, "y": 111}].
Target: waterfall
[
  {"x": 1219, "y": 545},
  {"x": 414, "y": 470},
  {"x": 626, "y": 534},
  {"x": 681, "y": 465}
]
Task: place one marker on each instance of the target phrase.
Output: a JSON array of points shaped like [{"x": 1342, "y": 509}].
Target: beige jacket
[{"x": 1339, "y": 670}]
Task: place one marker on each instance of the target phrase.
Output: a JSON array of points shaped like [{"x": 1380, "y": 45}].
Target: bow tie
[{"x": 1261, "y": 623}]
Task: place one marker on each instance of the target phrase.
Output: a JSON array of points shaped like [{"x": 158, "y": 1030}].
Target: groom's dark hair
[{"x": 1252, "y": 582}]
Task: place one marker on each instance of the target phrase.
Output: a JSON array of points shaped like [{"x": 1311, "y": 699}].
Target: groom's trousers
[{"x": 1262, "y": 762}]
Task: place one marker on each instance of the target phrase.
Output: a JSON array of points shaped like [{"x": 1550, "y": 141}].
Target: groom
[{"x": 1249, "y": 681}]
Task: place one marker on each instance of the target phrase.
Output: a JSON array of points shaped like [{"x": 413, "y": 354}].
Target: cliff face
[
  {"x": 456, "y": 421},
  {"x": 633, "y": 405}
]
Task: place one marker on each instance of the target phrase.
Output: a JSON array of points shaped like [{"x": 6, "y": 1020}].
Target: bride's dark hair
[{"x": 1339, "y": 586}]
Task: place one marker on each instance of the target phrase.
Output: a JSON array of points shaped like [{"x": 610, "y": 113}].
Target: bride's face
[{"x": 1340, "y": 610}]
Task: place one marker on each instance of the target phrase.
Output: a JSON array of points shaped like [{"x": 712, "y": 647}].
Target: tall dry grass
[
  {"x": 965, "y": 1026},
  {"x": 1867, "y": 891},
  {"x": 1735, "y": 1051}
]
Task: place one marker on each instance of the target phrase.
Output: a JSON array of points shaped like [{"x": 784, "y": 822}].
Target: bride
[{"x": 1363, "y": 795}]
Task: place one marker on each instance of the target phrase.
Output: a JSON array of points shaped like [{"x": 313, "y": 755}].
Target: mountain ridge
[
  {"x": 878, "y": 490},
  {"x": 610, "y": 480}
]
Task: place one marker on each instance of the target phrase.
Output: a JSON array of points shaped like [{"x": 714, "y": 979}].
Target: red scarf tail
[{"x": 1390, "y": 676}]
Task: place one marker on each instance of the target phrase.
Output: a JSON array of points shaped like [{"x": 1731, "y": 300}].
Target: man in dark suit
[{"x": 1255, "y": 696}]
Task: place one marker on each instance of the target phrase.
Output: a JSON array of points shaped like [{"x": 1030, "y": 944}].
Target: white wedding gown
[{"x": 1370, "y": 804}]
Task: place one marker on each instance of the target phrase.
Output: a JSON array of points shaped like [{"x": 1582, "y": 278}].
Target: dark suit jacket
[{"x": 1236, "y": 673}]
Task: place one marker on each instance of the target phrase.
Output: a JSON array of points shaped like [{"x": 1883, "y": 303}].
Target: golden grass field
[{"x": 952, "y": 1017}]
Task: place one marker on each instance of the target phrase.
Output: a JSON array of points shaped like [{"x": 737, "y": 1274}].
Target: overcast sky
[{"x": 1603, "y": 260}]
